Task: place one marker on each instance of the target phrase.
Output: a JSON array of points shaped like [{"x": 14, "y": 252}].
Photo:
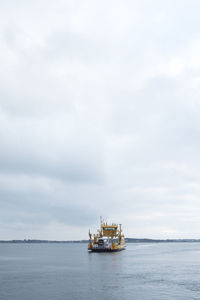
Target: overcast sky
[{"x": 99, "y": 115}]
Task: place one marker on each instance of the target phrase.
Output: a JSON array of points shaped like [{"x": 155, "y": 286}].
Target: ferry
[{"x": 109, "y": 238}]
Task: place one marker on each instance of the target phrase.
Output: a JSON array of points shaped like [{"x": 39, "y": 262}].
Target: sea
[{"x": 151, "y": 271}]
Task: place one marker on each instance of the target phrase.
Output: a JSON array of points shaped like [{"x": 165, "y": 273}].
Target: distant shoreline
[{"x": 128, "y": 240}]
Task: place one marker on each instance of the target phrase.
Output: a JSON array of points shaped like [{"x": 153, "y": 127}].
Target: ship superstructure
[{"x": 108, "y": 238}]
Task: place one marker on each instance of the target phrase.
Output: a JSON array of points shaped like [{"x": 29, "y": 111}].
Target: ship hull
[{"x": 105, "y": 250}]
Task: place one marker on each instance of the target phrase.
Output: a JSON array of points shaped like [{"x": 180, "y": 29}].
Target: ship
[{"x": 109, "y": 238}]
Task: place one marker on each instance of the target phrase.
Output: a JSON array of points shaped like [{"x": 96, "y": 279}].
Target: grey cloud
[{"x": 99, "y": 115}]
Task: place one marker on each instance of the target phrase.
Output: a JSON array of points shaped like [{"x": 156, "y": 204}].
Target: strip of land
[{"x": 128, "y": 240}]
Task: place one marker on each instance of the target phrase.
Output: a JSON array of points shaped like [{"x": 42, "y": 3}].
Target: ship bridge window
[{"x": 109, "y": 228}]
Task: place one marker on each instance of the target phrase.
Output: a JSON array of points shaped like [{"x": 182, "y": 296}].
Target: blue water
[{"x": 68, "y": 271}]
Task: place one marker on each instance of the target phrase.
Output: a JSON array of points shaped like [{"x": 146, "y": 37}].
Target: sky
[{"x": 99, "y": 116}]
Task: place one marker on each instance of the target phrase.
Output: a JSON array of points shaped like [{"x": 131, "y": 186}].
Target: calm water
[{"x": 68, "y": 271}]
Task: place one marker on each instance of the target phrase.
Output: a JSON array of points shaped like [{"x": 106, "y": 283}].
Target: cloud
[{"x": 99, "y": 115}]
